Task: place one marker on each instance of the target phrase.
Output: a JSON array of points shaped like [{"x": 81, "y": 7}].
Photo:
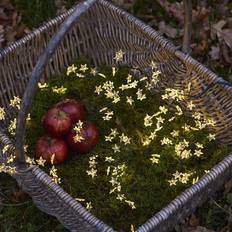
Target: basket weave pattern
[{"x": 97, "y": 35}]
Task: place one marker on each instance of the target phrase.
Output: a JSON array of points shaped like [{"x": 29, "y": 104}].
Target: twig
[
  {"x": 187, "y": 26},
  {"x": 15, "y": 205},
  {"x": 221, "y": 207}
]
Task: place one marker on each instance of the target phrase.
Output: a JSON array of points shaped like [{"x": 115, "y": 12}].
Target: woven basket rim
[
  {"x": 208, "y": 178},
  {"x": 167, "y": 44}
]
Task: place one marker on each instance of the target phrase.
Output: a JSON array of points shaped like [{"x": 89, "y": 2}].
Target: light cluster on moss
[{"x": 148, "y": 152}]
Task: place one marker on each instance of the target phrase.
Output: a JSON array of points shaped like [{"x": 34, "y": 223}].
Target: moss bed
[{"x": 142, "y": 182}]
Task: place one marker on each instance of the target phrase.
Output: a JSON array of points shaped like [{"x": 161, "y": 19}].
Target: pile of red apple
[{"x": 58, "y": 123}]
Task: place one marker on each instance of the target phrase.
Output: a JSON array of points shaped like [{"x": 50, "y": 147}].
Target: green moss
[{"x": 144, "y": 183}]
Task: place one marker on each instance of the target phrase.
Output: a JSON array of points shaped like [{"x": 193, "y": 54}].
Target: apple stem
[{"x": 60, "y": 114}]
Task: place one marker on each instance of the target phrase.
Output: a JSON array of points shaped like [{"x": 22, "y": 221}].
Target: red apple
[
  {"x": 56, "y": 122},
  {"x": 89, "y": 138},
  {"x": 46, "y": 147},
  {"x": 73, "y": 108}
]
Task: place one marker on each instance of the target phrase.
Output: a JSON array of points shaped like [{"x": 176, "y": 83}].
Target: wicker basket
[{"x": 100, "y": 31}]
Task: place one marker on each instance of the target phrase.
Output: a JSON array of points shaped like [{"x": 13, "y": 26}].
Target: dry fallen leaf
[
  {"x": 222, "y": 34},
  {"x": 20, "y": 31},
  {"x": 176, "y": 9},
  {"x": 201, "y": 14},
  {"x": 193, "y": 220},
  {"x": 11, "y": 28},
  {"x": 217, "y": 29},
  {"x": 19, "y": 196},
  {"x": 6, "y": 5},
  {"x": 171, "y": 32},
  {"x": 227, "y": 37},
  {"x": 4, "y": 19},
  {"x": 10, "y": 36},
  {"x": 214, "y": 53},
  {"x": 201, "y": 47},
  {"x": 226, "y": 53}
]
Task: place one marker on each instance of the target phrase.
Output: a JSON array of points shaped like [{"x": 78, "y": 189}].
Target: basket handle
[
  {"x": 187, "y": 26},
  {"x": 36, "y": 74},
  {"x": 49, "y": 50}
]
